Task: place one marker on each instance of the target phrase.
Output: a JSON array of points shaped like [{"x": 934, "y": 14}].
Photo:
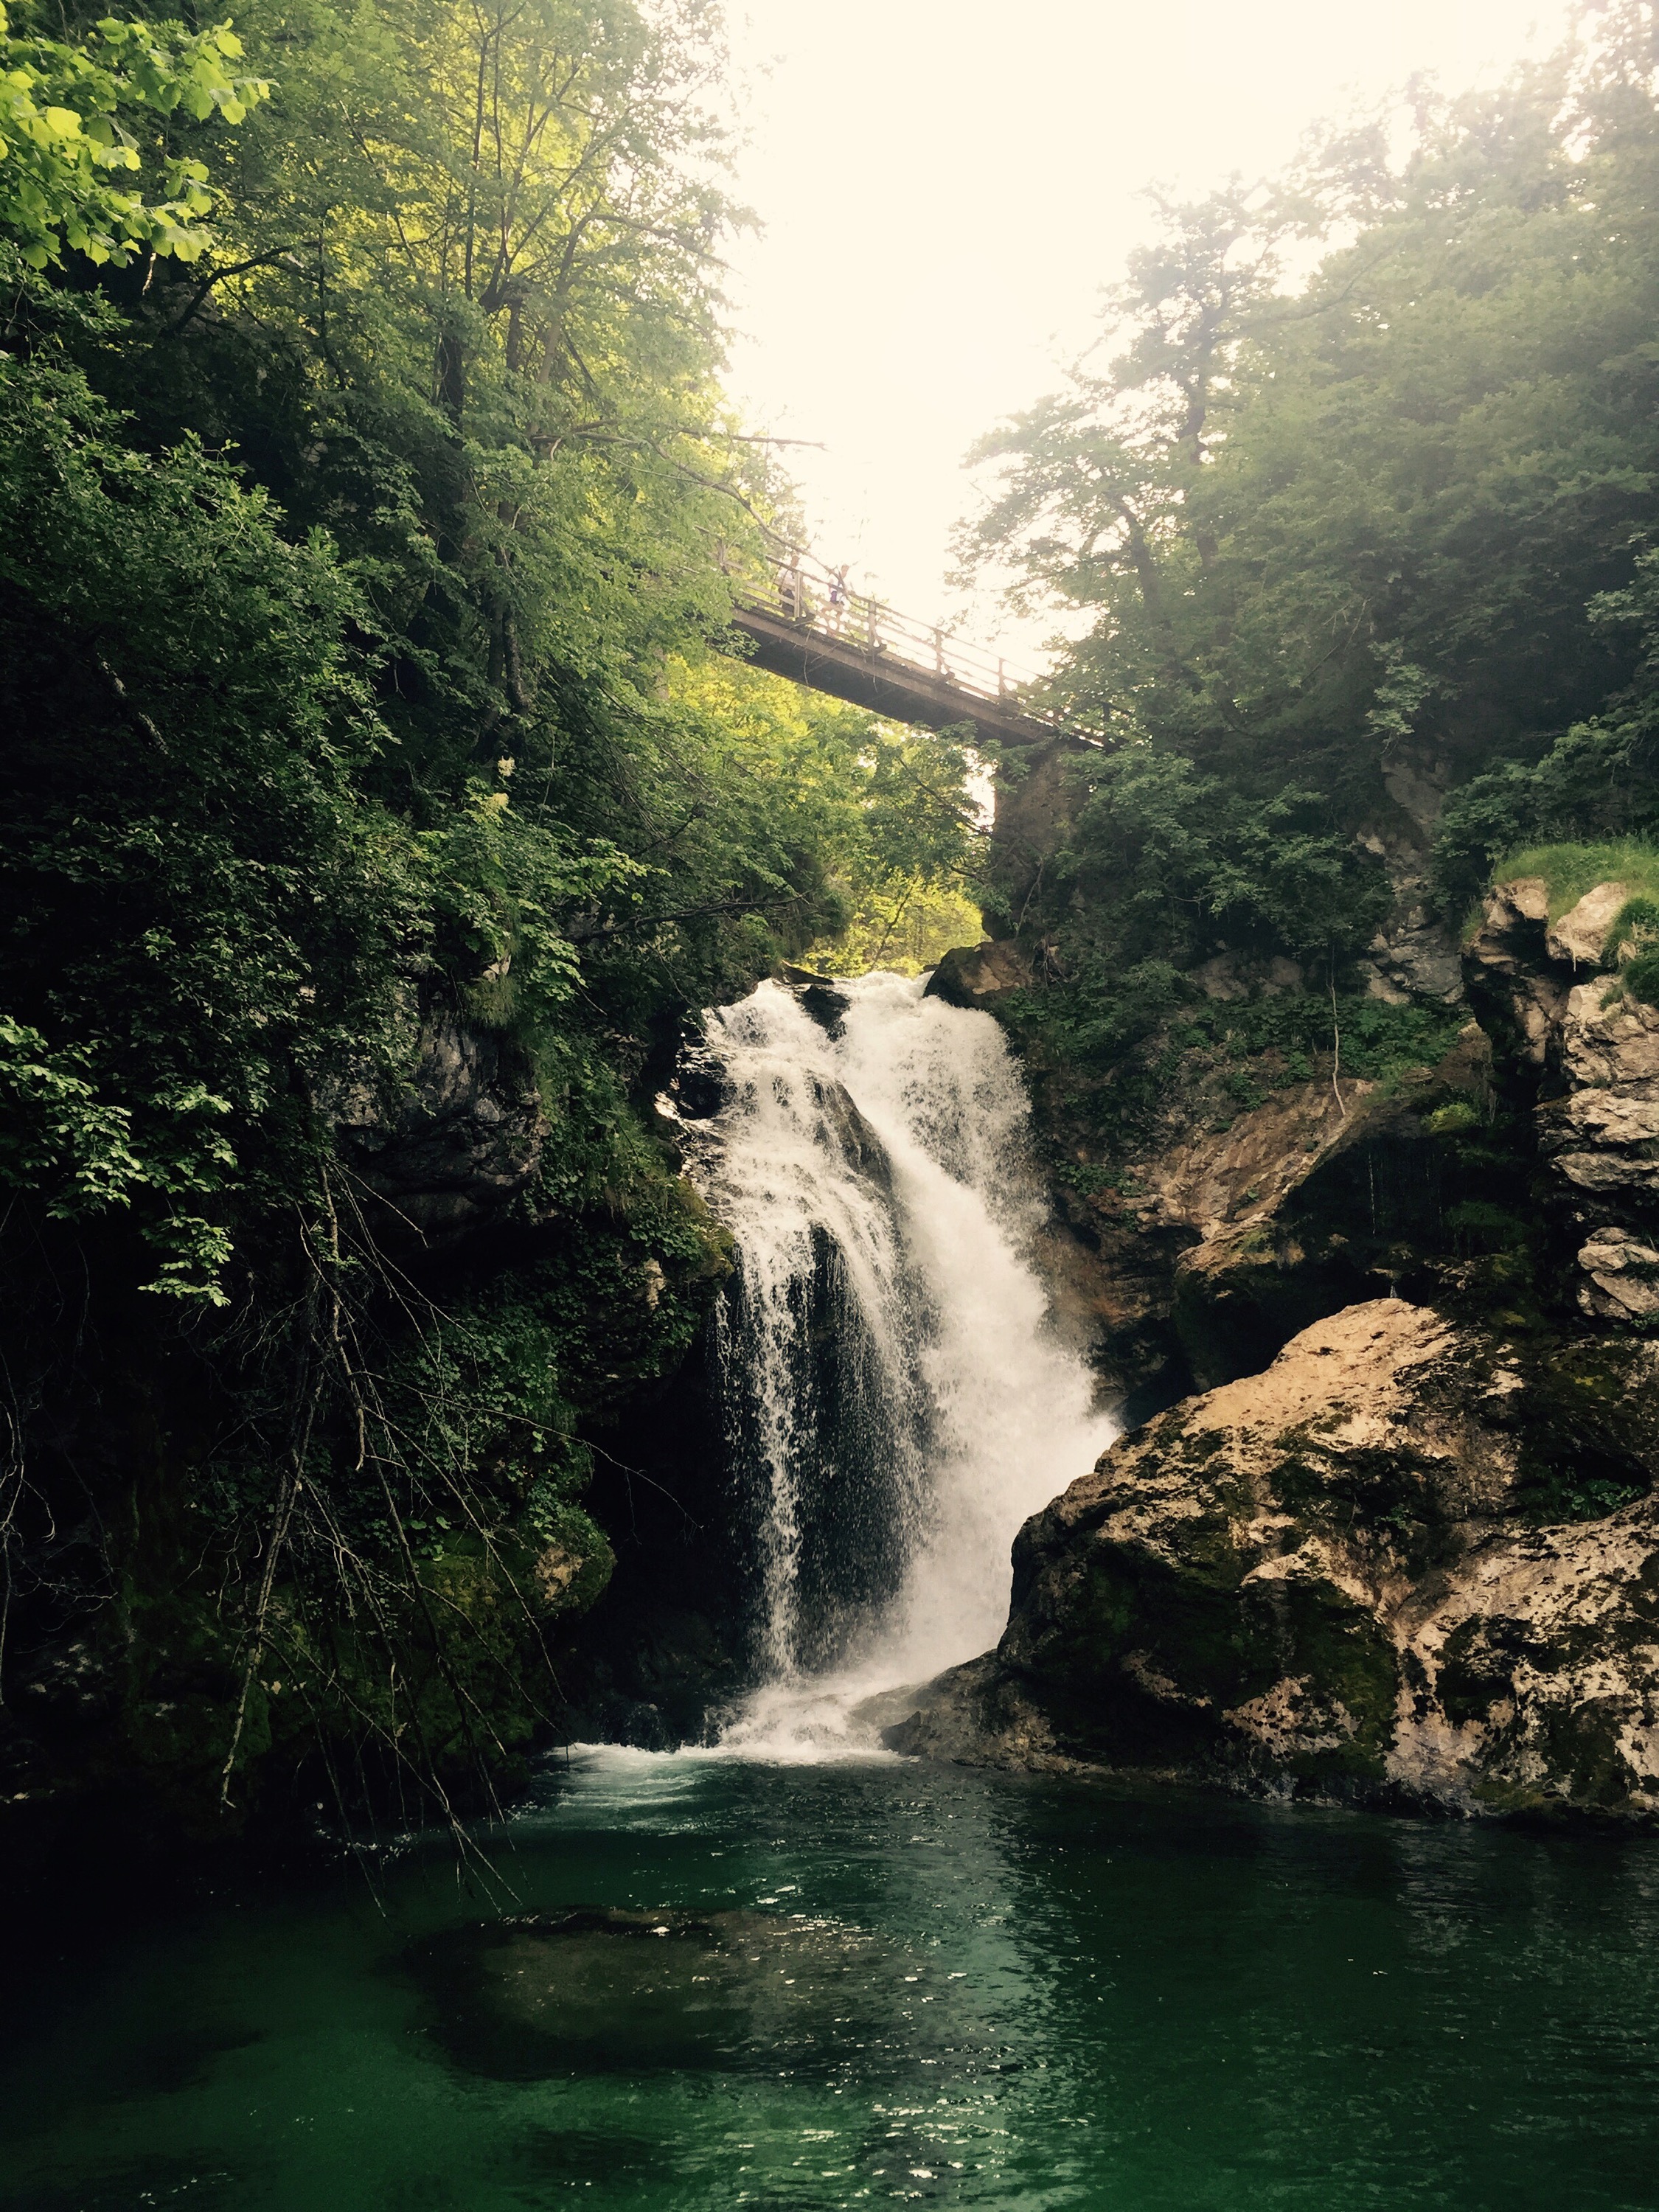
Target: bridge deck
[
  {"x": 807, "y": 626},
  {"x": 880, "y": 681}
]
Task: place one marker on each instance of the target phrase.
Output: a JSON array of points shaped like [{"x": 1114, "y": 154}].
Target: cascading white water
[{"x": 893, "y": 1379}]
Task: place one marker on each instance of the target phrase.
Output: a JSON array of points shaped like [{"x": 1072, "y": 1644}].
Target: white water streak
[{"x": 990, "y": 1414}]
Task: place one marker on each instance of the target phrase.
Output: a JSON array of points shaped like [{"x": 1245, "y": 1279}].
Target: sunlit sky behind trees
[{"x": 946, "y": 185}]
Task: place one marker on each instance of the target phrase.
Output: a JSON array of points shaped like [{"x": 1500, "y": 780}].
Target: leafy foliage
[
  {"x": 1164, "y": 861},
  {"x": 366, "y": 546},
  {"x": 1632, "y": 944},
  {"x": 67, "y": 109},
  {"x": 1319, "y": 520},
  {"x": 1353, "y": 500},
  {"x": 1596, "y": 782}
]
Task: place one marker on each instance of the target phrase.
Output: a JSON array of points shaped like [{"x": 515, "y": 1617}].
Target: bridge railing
[{"x": 804, "y": 592}]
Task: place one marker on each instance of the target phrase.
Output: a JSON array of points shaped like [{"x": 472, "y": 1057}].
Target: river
[{"x": 918, "y": 1985}]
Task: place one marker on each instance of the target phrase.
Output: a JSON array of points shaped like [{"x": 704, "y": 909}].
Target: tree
[
  {"x": 1410, "y": 472},
  {"x": 77, "y": 115},
  {"x": 1097, "y": 508},
  {"x": 360, "y": 593}
]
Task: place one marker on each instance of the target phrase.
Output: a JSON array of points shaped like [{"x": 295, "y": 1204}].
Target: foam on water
[{"x": 890, "y": 1361}]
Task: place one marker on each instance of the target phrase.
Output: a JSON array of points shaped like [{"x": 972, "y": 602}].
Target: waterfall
[{"x": 897, "y": 1400}]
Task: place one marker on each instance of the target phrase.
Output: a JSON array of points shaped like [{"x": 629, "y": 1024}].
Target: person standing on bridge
[{"x": 837, "y": 595}]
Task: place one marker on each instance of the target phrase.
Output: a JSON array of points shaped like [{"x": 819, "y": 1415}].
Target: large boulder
[
  {"x": 971, "y": 974},
  {"x": 1411, "y": 1564}
]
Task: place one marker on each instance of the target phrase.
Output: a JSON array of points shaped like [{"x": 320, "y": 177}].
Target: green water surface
[{"x": 875, "y": 1982}]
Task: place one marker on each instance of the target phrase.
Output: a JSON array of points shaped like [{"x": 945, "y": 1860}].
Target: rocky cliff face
[
  {"x": 1586, "y": 1054},
  {"x": 1204, "y": 1251},
  {"x": 1413, "y": 1559},
  {"x": 460, "y": 1142}
]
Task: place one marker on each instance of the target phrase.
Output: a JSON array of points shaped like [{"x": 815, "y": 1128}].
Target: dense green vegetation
[
  {"x": 378, "y": 806},
  {"x": 367, "y": 507},
  {"x": 1570, "y": 869},
  {"x": 1359, "y": 509}
]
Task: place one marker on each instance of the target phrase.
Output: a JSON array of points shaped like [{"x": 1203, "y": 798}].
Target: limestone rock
[
  {"x": 1420, "y": 959},
  {"x": 1526, "y": 899},
  {"x": 1333, "y": 1578},
  {"x": 1223, "y": 979},
  {"x": 1417, "y": 780},
  {"x": 1309, "y": 1204},
  {"x": 1219, "y": 1188},
  {"x": 1236, "y": 1238},
  {"x": 969, "y": 975},
  {"x": 1378, "y": 985},
  {"x": 1233, "y": 976},
  {"x": 1513, "y": 984},
  {"x": 1578, "y": 936},
  {"x": 1624, "y": 1277},
  {"x": 1240, "y": 1174},
  {"x": 1584, "y": 1054},
  {"x": 1412, "y": 955},
  {"x": 1598, "y": 1128}
]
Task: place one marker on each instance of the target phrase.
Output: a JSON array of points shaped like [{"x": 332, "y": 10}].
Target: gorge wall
[{"x": 1400, "y": 1546}]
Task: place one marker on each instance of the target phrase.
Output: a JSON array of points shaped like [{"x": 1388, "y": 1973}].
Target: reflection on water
[{"x": 874, "y": 1984}]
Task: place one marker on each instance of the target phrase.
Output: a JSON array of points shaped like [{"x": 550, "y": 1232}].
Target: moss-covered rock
[
  {"x": 970, "y": 974},
  {"x": 1331, "y": 1579}
]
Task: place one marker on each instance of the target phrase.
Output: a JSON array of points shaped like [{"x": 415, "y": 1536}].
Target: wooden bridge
[{"x": 805, "y": 623}]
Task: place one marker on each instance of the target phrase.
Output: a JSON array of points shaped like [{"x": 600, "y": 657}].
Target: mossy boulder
[{"x": 1331, "y": 1579}]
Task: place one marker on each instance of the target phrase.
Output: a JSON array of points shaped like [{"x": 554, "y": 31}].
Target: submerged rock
[
  {"x": 603, "y": 1989},
  {"x": 1410, "y": 1563}
]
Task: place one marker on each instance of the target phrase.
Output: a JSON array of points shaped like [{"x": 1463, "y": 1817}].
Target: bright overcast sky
[{"x": 946, "y": 184}]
